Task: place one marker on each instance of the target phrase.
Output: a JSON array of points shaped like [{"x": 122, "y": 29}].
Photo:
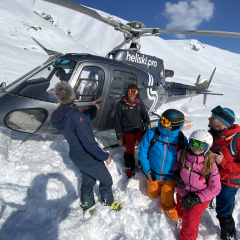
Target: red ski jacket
[{"x": 229, "y": 167}]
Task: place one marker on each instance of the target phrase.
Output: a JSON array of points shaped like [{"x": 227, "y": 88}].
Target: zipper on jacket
[
  {"x": 190, "y": 177},
  {"x": 164, "y": 154}
]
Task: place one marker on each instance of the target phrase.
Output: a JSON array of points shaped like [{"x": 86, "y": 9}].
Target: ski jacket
[
  {"x": 229, "y": 167},
  {"x": 196, "y": 183},
  {"x": 77, "y": 130},
  {"x": 161, "y": 158},
  {"x": 130, "y": 117}
]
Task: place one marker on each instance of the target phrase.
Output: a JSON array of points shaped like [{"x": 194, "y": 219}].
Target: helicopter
[{"x": 98, "y": 82}]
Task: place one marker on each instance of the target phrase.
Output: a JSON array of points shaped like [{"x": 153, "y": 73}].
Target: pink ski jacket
[{"x": 196, "y": 183}]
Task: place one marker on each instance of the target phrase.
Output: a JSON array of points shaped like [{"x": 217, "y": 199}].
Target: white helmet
[{"x": 202, "y": 136}]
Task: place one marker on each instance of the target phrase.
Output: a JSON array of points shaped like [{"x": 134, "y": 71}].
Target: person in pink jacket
[{"x": 198, "y": 182}]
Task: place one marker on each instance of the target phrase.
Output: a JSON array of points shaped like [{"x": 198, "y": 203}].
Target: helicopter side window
[
  {"x": 120, "y": 82},
  {"x": 40, "y": 84},
  {"x": 90, "y": 84}
]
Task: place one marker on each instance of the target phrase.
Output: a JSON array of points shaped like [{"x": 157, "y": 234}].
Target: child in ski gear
[
  {"x": 84, "y": 150},
  {"x": 223, "y": 131},
  {"x": 131, "y": 120},
  {"x": 158, "y": 160},
  {"x": 198, "y": 182}
]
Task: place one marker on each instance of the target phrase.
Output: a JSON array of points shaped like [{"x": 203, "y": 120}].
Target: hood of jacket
[
  {"x": 59, "y": 116},
  {"x": 135, "y": 102},
  {"x": 166, "y": 132}
]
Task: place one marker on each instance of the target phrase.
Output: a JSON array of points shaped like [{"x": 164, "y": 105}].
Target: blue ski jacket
[
  {"x": 77, "y": 130},
  {"x": 162, "y": 157}
]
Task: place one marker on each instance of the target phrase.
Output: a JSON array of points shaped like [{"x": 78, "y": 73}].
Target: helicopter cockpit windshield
[
  {"x": 90, "y": 84},
  {"x": 40, "y": 84}
]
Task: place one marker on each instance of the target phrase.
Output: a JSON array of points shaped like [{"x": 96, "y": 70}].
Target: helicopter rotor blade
[
  {"x": 92, "y": 13},
  {"x": 154, "y": 31},
  {"x": 127, "y": 28},
  {"x": 48, "y": 51},
  {"x": 206, "y": 33}
]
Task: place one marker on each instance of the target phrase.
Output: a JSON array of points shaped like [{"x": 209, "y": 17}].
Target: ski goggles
[
  {"x": 219, "y": 111},
  {"x": 198, "y": 144},
  {"x": 167, "y": 123},
  {"x": 133, "y": 91}
]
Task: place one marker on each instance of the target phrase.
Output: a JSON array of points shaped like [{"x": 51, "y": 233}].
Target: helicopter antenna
[{"x": 51, "y": 53}]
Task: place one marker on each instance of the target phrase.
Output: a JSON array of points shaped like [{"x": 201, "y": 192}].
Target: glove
[
  {"x": 177, "y": 179},
  {"x": 120, "y": 143},
  {"x": 190, "y": 200},
  {"x": 152, "y": 176}
]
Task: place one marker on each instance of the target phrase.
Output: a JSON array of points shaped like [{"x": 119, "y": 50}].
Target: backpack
[
  {"x": 233, "y": 146},
  {"x": 158, "y": 133},
  {"x": 155, "y": 139},
  {"x": 234, "y": 152}
]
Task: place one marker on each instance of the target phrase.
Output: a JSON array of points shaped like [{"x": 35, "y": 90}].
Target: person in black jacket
[
  {"x": 84, "y": 150},
  {"x": 131, "y": 121}
]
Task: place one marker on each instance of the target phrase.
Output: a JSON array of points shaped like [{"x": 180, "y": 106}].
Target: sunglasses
[
  {"x": 198, "y": 144},
  {"x": 219, "y": 111},
  {"x": 133, "y": 91}
]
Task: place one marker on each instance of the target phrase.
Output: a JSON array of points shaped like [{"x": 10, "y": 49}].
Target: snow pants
[
  {"x": 166, "y": 190},
  {"x": 191, "y": 219},
  {"x": 224, "y": 207},
  {"x": 130, "y": 140},
  {"x": 91, "y": 172}
]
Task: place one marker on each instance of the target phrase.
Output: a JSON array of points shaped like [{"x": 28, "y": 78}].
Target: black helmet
[
  {"x": 175, "y": 116},
  {"x": 133, "y": 86}
]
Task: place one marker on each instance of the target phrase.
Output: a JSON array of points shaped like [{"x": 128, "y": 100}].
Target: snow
[{"x": 40, "y": 186}]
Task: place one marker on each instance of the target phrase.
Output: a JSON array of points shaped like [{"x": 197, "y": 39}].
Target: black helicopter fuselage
[{"x": 98, "y": 82}]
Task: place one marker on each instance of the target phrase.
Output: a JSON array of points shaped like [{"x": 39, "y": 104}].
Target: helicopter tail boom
[
  {"x": 209, "y": 82},
  {"x": 181, "y": 91}
]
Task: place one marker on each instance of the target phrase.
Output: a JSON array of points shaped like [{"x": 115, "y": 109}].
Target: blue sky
[{"x": 216, "y": 15}]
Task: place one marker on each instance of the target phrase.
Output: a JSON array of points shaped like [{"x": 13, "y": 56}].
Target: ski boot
[
  {"x": 129, "y": 162},
  {"x": 87, "y": 201},
  {"x": 129, "y": 172},
  {"x": 113, "y": 205}
]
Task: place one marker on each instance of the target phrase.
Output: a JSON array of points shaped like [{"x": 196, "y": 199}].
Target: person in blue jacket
[
  {"x": 84, "y": 150},
  {"x": 159, "y": 159}
]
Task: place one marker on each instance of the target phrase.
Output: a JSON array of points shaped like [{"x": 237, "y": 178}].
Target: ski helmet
[
  {"x": 202, "y": 136},
  {"x": 174, "y": 116},
  {"x": 132, "y": 86}
]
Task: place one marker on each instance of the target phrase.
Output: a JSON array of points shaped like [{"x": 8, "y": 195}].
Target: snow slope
[{"x": 40, "y": 186}]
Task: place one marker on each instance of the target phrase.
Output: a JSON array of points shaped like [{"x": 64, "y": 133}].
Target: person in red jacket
[{"x": 222, "y": 129}]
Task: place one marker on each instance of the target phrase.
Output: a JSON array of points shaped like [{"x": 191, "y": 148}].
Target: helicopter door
[
  {"x": 90, "y": 89},
  {"x": 120, "y": 77}
]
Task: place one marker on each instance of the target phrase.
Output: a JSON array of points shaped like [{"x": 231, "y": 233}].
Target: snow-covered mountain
[{"x": 39, "y": 185}]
